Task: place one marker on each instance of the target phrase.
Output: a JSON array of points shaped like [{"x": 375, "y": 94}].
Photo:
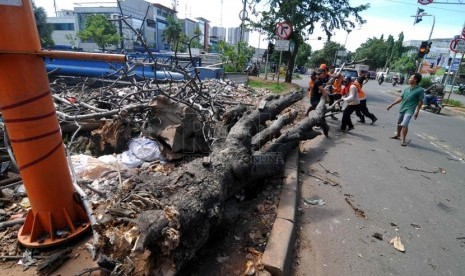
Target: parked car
[
  {"x": 372, "y": 75},
  {"x": 349, "y": 72}
]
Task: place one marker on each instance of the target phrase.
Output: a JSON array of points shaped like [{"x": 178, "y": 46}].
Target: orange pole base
[
  {"x": 27, "y": 107},
  {"x": 39, "y": 231}
]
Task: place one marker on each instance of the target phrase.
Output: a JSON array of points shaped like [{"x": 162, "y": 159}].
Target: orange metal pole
[
  {"x": 29, "y": 116},
  {"x": 72, "y": 55}
]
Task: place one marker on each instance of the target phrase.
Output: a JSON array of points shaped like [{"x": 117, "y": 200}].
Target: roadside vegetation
[
  {"x": 453, "y": 103},
  {"x": 273, "y": 86}
]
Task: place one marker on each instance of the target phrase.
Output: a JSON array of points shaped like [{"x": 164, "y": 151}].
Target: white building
[
  {"x": 64, "y": 28},
  {"x": 234, "y": 35},
  {"x": 134, "y": 11}
]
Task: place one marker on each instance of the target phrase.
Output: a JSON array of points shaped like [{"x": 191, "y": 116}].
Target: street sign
[
  {"x": 425, "y": 2},
  {"x": 284, "y": 30},
  {"x": 457, "y": 45},
  {"x": 281, "y": 45}
]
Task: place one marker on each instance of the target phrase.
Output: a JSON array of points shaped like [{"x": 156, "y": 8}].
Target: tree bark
[{"x": 191, "y": 200}]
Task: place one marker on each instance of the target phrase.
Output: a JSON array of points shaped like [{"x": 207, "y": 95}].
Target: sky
[{"x": 384, "y": 17}]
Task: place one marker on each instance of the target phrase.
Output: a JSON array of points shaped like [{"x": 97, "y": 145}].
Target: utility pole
[{"x": 242, "y": 16}]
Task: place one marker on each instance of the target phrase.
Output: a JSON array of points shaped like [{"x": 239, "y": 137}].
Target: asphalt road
[{"x": 415, "y": 192}]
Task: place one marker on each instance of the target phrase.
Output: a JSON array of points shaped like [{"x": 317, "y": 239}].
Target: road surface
[{"x": 376, "y": 187}]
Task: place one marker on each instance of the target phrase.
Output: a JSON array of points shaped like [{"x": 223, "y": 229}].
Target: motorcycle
[
  {"x": 252, "y": 70},
  {"x": 461, "y": 89},
  {"x": 380, "y": 80},
  {"x": 435, "y": 105},
  {"x": 395, "y": 81}
]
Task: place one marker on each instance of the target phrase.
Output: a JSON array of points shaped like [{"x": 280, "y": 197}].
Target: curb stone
[{"x": 277, "y": 257}]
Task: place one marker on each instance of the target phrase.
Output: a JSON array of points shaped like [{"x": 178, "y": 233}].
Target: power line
[{"x": 430, "y": 6}]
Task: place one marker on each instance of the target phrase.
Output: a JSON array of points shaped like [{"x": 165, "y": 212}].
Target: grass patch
[
  {"x": 273, "y": 86},
  {"x": 454, "y": 103}
]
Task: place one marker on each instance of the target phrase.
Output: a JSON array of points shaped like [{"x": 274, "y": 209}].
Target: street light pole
[{"x": 345, "y": 42}]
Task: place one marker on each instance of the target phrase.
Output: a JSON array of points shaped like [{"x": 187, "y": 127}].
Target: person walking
[
  {"x": 362, "y": 110},
  {"x": 352, "y": 104},
  {"x": 311, "y": 83},
  {"x": 410, "y": 101}
]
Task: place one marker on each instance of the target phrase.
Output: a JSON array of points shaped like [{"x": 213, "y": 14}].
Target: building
[
  {"x": 218, "y": 34},
  {"x": 204, "y": 26},
  {"x": 189, "y": 27},
  {"x": 440, "y": 55},
  {"x": 234, "y": 35},
  {"x": 64, "y": 28},
  {"x": 134, "y": 12}
]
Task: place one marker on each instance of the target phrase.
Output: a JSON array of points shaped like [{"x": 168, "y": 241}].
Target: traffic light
[
  {"x": 418, "y": 16},
  {"x": 423, "y": 49},
  {"x": 428, "y": 47},
  {"x": 270, "y": 48}
]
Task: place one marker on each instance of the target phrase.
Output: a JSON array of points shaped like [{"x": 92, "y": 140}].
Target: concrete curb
[{"x": 277, "y": 257}]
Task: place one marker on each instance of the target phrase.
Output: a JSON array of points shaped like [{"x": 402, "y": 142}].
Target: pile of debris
[
  {"x": 118, "y": 137},
  {"x": 158, "y": 162}
]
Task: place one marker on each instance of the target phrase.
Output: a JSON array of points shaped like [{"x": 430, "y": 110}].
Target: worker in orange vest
[{"x": 362, "y": 110}]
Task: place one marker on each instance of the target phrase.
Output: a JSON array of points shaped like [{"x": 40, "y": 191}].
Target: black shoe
[
  {"x": 361, "y": 121},
  {"x": 374, "y": 120},
  {"x": 350, "y": 128}
]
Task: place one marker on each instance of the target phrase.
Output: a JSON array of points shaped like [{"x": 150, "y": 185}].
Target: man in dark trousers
[
  {"x": 318, "y": 90},
  {"x": 362, "y": 109}
]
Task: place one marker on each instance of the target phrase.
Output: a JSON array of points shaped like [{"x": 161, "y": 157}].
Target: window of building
[
  {"x": 63, "y": 26},
  {"x": 151, "y": 23}
]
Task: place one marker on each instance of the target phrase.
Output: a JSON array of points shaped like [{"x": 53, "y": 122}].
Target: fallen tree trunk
[{"x": 190, "y": 201}]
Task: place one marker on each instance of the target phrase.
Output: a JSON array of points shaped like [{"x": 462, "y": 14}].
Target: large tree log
[
  {"x": 273, "y": 130},
  {"x": 191, "y": 200}
]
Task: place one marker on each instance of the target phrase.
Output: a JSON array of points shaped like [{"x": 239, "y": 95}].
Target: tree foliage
[
  {"x": 99, "y": 30},
  {"x": 381, "y": 53},
  {"x": 303, "y": 55},
  {"x": 195, "y": 41},
  {"x": 45, "y": 29},
  {"x": 405, "y": 64},
  {"x": 237, "y": 56},
  {"x": 305, "y": 16},
  {"x": 325, "y": 55},
  {"x": 174, "y": 34}
]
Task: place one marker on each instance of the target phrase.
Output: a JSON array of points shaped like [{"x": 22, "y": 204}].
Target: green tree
[
  {"x": 325, "y": 55},
  {"x": 381, "y": 53},
  {"x": 173, "y": 34},
  {"x": 303, "y": 55},
  {"x": 45, "y": 29},
  {"x": 375, "y": 51},
  {"x": 405, "y": 64},
  {"x": 99, "y": 30},
  {"x": 72, "y": 40},
  {"x": 236, "y": 56},
  {"x": 304, "y": 16},
  {"x": 196, "y": 40}
]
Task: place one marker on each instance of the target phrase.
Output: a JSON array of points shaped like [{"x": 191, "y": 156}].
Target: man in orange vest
[
  {"x": 362, "y": 110},
  {"x": 318, "y": 90},
  {"x": 352, "y": 105}
]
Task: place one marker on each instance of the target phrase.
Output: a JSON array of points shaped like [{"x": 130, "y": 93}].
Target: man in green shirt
[{"x": 410, "y": 104}]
